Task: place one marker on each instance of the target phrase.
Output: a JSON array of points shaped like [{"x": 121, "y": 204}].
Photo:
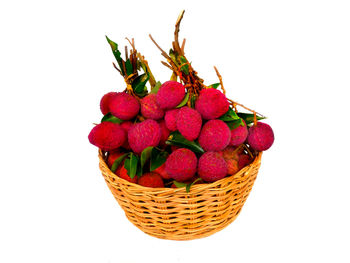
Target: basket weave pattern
[{"x": 171, "y": 213}]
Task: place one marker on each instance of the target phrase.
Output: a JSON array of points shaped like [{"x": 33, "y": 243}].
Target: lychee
[
  {"x": 113, "y": 155},
  {"x": 123, "y": 173},
  {"x": 189, "y": 123},
  {"x": 150, "y": 108},
  {"x": 162, "y": 172},
  {"x": 231, "y": 156},
  {"x": 215, "y": 135},
  {"x": 105, "y": 101},
  {"x": 181, "y": 164},
  {"x": 211, "y": 104},
  {"x": 170, "y": 119},
  {"x": 151, "y": 180},
  {"x": 126, "y": 125},
  {"x": 165, "y": 133},
  {"x": 244, "y": 160},
  {"x": 260, "y": 136},
  {"x": 212, "y": 166},
  {"x": 239, "y": 135},
  {"x": 144, "y": 134},
  {"x": 170, "y": 94},
  {"x": 124, "y": 106},
  {"x": 107, "y": 136}
]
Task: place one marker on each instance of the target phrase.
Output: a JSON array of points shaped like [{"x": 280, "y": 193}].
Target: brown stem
[
  {"x": 176, "y": 34},
  {"x": 220, "y": 78}
]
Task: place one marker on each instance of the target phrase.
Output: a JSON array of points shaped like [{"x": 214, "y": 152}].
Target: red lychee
[
  {"x": 215, "y": 135},
  {"x": 105, "y": 101},
  {"x": 162, "y": 172},
  {"x": 150, "y": 108},
  {"x": 107, "y": 136},
  {"x": 126, "y": 125},
  {"x": 244, "y": 160},
  {"x": 124, "y": 106},
  {"x": 170, "y": 119},
  {"x": 151, "y": 180},
  {"x": 212, "y": 167},
  {"x": 123, "y": 173},
  {"x": 189, "y": 123},
  {"x": 239, "y": 135},
  {"x": 144, "y": 134},
  {"x": 211, "y": 104},
  {"x": 231, "y": 156},
  {"x": 170, "y": 94},
  {"x": 113, "y": 155},
  {"x": 260, "y": 136},
  {"x": 165, "y": 133},
  {"x": 181, "y": 164}
]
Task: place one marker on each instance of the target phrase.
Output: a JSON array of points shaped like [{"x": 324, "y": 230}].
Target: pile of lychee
[{"x": 165, "y": 139}]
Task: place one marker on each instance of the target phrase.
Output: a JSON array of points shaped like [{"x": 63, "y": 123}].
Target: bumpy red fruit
[
  {"x": 113, "y": 155},
  {"x": 215, "y": 135},
  {"x": 107, "y": 136},
  {"x": 162, "y": 172},
  {"x": 181, "y": 164},
  {"x": 260, "y": 136},
  {"x": 189, "y": 123},
  {"x": 151, "y": 180},
  {"x": 244, "y": 160},
  {"x": 126, "y": 125},
  {"x": 212, "y": 167},
  {"x": 123, "y": 173},
  {"x": 211, "y": 104},
  {"x": 231, "y": 155},
  {"x": 239, "y": 135},
  {"x": 170, "y": 119},
  {"x": 124, "y": 106},
  {"x": 170, "y": 94},
  {"x": 165, "y": 133},
  {"x": 143, "y": 135},
  {"x": 150, "y": 108},
  {"x": 105, "y": 101}
]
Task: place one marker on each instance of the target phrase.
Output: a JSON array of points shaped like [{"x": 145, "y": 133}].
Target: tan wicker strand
[{"x": 171, "y": 213}]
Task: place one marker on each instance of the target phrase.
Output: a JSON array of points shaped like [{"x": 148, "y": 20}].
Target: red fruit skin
[
  {"x": 189, "y": 123},
  {"x": 162, "y": 172},
  {"x": 150, "y": 108},
  {"x": 243, "y": 161},
  {"x": 126, "y": 125},
  {"x": 181, "y": 164},
  {"x": 212, "y": 167},
  {"x": 165, "y": 133},
  {"x": 124, "y": 106},
  {"x": 105, "y": 101},
  {"x": 215, "y": 136},
  {"x": 143, "y": 135},
  {"x": 211, "y": 104},
  {"x": 151, "y": 180},
  {"x": 260, "y": 136},
  {"x": 170, "y": 119},
  {"x": 113, "y": 155},
  {"x": 123, "y": 173},
  {"x": 170, "y": 94},
  {"x": 239, "y": 135},
  {"x": 107, "y": 136}
]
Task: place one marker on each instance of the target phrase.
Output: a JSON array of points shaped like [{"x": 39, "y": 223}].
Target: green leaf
[
  {"x": 116, "y": 54},
  {"x": 109, "y": 117},
  {"x": 249, "y": 117},
  {"x": 156, "y": 87},
  {"x": 234, "y": 124},
  {"x": 214, "y": 86},
  {"x": 184, "y": 101},
  {"x": 184, "y": 68},
  {"x": 173, "y": 56},
  {"x": 188, "y": 186},
  {"x": 117, "y": 162},
  {"x": 158, "y": 158},
  {"x": 131, "y": 164},
  {"x": 128, "y": 67},
  {"x": 230, "y": 115},
  {"x": 179, "y": 184},
  {"x": 177, "y": 139},
  {"x": 139, "y": 84},
  {"x": 145, "y": 155},
  {"x": 193, "y": 100}
]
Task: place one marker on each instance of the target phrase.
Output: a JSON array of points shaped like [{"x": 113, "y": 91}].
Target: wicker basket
[{"x": 171, "y": 213}]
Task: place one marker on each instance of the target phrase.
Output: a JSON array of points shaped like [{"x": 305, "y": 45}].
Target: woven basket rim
[{"x": 169, "y": 190}]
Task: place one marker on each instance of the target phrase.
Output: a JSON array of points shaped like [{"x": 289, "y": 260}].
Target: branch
[{"x": 176, "y": 33}]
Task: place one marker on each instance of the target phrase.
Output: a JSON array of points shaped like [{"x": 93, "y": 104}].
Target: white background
[{"x": 289, "y": 60}]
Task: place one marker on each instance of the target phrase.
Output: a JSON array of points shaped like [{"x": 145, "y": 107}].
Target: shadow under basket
[{"x": 172, "y": 213}]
